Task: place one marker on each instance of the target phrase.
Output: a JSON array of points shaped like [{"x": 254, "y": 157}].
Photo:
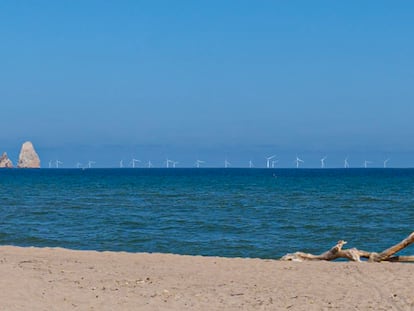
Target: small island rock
[
  {"x": 5, "y": 162},
  {"x": 28, "y": 157}
]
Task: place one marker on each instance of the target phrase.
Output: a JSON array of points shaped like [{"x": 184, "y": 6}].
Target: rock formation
[
  {"x": 28, "y": 157},
  {"x": 5, "y": 162}
]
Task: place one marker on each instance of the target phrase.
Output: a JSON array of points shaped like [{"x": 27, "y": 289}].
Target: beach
[{"x": 61, "y": 279}]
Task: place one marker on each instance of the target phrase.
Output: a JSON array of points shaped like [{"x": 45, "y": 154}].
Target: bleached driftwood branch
[{"x": 354, "y": 254}]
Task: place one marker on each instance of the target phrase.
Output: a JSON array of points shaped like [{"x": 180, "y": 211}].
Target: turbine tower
[
  {"x": 134, "y": 161},
  {"x": 323, "y": 162},
  {"x": 78, "y": 165},
  {"x": 226, "y": 163},
  {"x": 251, "y": 165},
  {"x": 58, "y": 163},
  {"x": 121, "y": 164},
  {"x": 346, "y": 164},
  {"x": 274, "y": 163},
  {"x": 198, "y": 163},
  {"x": 268, "y": 160},
  {"x": 168, "y": 162},
  {"x": 385, "y": 163},
  {"x": 298, "y": 161},
  {"x": 149, "y": 164},
  {"x": 90, "y": 163},
  {"x": 366, "y": 163},
  {"x": 50, "y": 164}
]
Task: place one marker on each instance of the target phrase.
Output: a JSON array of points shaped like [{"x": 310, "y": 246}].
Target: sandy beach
[{"x": 60, "y": 279}]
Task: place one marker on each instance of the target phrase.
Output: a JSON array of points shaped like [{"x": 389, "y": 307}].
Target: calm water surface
[{"x": 222, "y": 212}]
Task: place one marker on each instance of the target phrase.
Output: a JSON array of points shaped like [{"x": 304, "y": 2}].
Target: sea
[{"x": 256, "y": 213}]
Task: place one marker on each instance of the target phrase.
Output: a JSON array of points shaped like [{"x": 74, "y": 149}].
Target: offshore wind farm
[
  {"x": 268, "y": 163},
  {"x": 231, "y": 160}
]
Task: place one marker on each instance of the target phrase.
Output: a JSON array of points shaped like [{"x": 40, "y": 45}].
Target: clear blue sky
[{"x": 208, "y": 79}]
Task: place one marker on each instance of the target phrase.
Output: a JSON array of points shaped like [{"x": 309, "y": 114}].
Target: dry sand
[{"x": 59, "y": 279}]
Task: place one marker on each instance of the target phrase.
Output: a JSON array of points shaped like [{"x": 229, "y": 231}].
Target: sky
[{"x": 209, "y": 80}]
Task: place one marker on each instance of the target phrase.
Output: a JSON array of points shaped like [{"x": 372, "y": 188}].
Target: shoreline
[{"x": 62, "y": 279}]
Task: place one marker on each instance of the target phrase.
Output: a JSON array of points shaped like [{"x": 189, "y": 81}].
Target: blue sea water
[{"x": 261, "y": 213}]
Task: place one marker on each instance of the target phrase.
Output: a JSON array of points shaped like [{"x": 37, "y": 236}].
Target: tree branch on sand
[{"x": 354, "y": 254}]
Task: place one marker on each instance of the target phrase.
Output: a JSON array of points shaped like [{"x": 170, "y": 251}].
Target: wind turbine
[
  {"x": 198, "y": 163},
  {"x": 251, "y": 165},
  {"x": 149, "y": 164},
  {"x": 274, "y": 163},
  {"x": 90, "y": 163},
  {"x": 226, "y": 163},
  {"x": 268, "y": 160},
  {"x": 346, "y": 164},
  {"x": 323, "y": 162},
  {"x": 78, "y": 165},
  {"x": 168, "y": 162},
  {"x": 174, "y": 163},
  {"x": 298, "y": 161},
  {"x": 121, "y": 164},
  {"x": 366, "y": 163},
  {"x": 385, "y": 163},
  {"x": 50, "y": 164},
  {"x": 134, "y": 161},
  {"x": 58, "y": 163}
]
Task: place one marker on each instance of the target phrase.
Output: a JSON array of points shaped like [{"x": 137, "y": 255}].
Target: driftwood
[{"x": 354, "y": 254}]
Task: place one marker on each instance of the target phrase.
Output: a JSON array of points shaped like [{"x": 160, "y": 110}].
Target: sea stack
[
  {"x": 28, "y": 157},
  {"x": 5, "y": 162}
]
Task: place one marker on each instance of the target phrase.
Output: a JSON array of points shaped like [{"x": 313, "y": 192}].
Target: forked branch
[{"x": 354, "y": 254}]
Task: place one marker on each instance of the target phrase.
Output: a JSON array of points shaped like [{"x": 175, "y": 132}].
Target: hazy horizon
[
  {"x": 188, "y": 80},
  {"x": 108, "y": 156}
]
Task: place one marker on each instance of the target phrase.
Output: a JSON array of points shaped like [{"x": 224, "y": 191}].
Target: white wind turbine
[
  {"x": 174, "y": 163},
  {"x": 50, "y": 164},
  {"x": 268, "y": 160},
  {"x": 198, "y": 163},
  {"x": 90, "y": 163},
  {"x": 78, "y": 165},
  {"x": 366, "y": 163},
  {"x": 135, "y": 161},
  {"x": 149, "y": 164},
  {"x": 385, "y": 163},
  {"x": 226, "y": 163},
  {"x": 251, "y": 165},
  {"x": 346, "y": 164},
  {"x": 323, "y": 161},
  {"x": 121, "y": 164},
  {"x": 274, "y": 163},
  {"x": 298, "y": 161},
  {"x": 58, "y": 163},
  {"x": 168, "y": 162}
]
